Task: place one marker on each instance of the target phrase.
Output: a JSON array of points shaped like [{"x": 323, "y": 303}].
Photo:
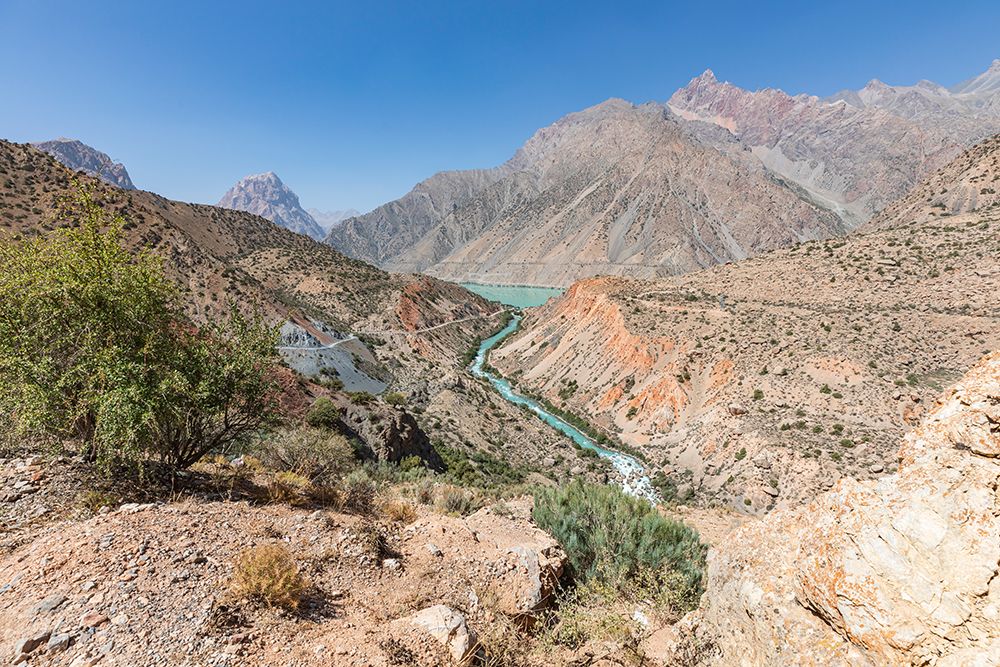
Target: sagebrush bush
[
  {"x": 612, "y": 537},
  {"x": 267, "y": 574},
  {"x": 456, "y": 500},
  {"x": 358, "y": 492}
]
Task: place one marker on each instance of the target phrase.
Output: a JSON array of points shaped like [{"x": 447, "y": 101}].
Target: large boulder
[
  {"x": 902, "y": 570},
  {"x": 528, "y": 561}
]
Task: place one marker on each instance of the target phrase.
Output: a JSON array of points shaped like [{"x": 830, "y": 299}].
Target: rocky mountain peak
[
  {"x": 876, "y": 85},
  {"x": 80, "y": 157},
  {"x": 267, "y": 196}
]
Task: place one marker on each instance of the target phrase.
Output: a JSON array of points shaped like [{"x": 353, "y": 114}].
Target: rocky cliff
[
  {"x": 78, "y": 156},
  {"x": 898, "y": 571},
  {"x": 265, "y": 195}
]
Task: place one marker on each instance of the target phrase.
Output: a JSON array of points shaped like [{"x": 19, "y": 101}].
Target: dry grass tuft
[
  {"x": 268, "y": 575},
  {"x": 399, "y": 511}
]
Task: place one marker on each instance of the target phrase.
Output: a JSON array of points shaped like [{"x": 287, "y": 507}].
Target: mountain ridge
[{"x": 601, "y": 169}]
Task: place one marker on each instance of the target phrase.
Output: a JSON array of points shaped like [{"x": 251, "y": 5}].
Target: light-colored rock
[
  {"x": 58, "y": 643},
  {"x": 902, "y": 570},
  {"x": 448, "y": 627}
]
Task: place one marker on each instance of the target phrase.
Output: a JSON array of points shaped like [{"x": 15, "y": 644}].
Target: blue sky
[{"x": 352, "y": 103}]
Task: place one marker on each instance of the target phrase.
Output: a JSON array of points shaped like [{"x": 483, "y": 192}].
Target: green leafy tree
[{"x": 94, "y": 347}]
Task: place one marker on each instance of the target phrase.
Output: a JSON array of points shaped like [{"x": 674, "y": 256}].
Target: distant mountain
[
  {"x": 854, "y": 158},
  {"x": 717, "y": 173},
  {"x": 327, "y": 219},
  {"x": 969, "y": 111},
  {"x": 615, "y": 189},
  {"x": 80, "y": 157},
  {"x": 266, "y": 196}
]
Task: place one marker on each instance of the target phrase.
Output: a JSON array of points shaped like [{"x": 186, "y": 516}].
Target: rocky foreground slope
[
  {"x": 149, "y": 585},
  {"x": 898, "y": 571},
  {"x": 759, "y": 383}
]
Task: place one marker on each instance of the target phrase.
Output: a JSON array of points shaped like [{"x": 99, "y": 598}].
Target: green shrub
[
  {"x": 358, "y": 491},
  {"x": 94, "y": 347},
  {"x": 612, "y": 537},
  {"x": 323, "y": 414},
  {"x": 395, "y": 398},
  {"x": 456, "y": 500}
]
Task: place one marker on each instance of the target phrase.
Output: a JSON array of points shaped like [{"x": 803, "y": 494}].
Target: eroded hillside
[{"x": 759, "y": 383}]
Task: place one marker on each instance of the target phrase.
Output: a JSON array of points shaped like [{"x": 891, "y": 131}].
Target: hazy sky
[{"x": 352, "y": 103}]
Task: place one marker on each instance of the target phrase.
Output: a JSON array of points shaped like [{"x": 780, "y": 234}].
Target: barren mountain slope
[
  {"x": 758, "y": 383},
  {"x": 614, "y": 189},
  {"x": 856, "y": 159},
  {"x": 968, "y": 184},
  {"x": 379, "y": 236}
]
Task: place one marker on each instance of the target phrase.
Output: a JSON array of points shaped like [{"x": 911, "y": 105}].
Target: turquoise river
[{"x": 634, "y": 478}]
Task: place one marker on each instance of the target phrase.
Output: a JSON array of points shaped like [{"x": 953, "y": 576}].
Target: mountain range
[{"x": 716, "y": 173}]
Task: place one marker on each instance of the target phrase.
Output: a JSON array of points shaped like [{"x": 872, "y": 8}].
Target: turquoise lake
[{"x": 514, "y": 295}]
